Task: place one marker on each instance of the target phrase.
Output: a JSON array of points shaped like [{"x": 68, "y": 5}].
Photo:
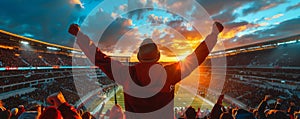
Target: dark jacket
[
  {"x": 216, "y": 111},
  {"x": 271, "y": 114},
  {"x": 261, "y": 108},
  {"x": 68, "y": 111}
]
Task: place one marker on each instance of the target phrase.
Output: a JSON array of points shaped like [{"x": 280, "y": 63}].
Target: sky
[{"x": 177, "y": 26}]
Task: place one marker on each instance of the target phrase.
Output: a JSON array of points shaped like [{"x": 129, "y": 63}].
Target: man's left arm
[{"x": 201, "y": 52}]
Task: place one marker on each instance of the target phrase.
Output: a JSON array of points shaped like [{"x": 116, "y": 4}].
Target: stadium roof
[
  {"x": 257, "y": 46},
  {"x": 281, "y": 40},
  {"x": 38, "y": 41}
]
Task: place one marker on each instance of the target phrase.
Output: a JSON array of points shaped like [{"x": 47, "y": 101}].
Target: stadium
[
  {"x": 30, "y": 75},
  {"x": 31, "y": 71}
]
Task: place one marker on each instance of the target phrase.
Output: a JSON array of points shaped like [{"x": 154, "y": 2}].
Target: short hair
[{"x": 190, "y": 113}]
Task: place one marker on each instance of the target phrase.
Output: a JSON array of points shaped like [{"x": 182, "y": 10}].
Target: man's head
[
  {"x": 292, "y": 103},
  {"x": 190, "y": 113},
  {"x": 279, "y": 100},
  {"x": 148, "y": 51}
]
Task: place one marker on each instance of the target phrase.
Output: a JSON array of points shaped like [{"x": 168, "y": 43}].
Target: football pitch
[{"x": 183, "y": 98}]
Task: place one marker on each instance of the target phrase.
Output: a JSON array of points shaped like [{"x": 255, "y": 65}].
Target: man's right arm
[{"x": 92, "y": 52}]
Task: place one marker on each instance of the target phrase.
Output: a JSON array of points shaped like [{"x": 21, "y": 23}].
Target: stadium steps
[
  {"x": 239, "y": 97},
  {"x": 45, "y": 62},
  {"x": 16, "y": 92},
  {"x": 24, "y": 61}
]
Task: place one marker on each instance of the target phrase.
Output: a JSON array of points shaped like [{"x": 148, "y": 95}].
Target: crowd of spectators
[
  {"x": 249, "y": 85},
  {"x": 251, "y": 94},
  {"x": 72, "y": 86},
  {"x": 265, "y": 109},
  {"x": 281, "y": 56},
  {"x": 8, "y": 58},
  {"x": 40, "y": 97},
  {"x": 14, "y": 77},
  {"x": 248, "y": 94},
  {"x": 60, "y": 108},
  {"x": 26, "y": 58}
]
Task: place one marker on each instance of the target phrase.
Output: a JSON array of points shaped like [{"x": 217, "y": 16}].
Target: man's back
[{"x": 161, "y": 101}]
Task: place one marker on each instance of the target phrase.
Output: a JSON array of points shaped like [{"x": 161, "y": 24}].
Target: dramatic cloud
[
  {"x": 77, "y": 2},
  {"x": 282, "y": 30},
  {"x": 250, "y": 29},
  {"x": 259, "y": 5},
  {"x": 232, "y": 29},
  {"x": 216, "y": 6},
  {"x": 182, "y": 27},
  {"x": 44, "y": 20},
  {"x": 115, "y": 31},
  {"x": 274, "y": 17},
  {"x": 235, "y": 24},
  {"x": 296, "y": 6},
  {"x": 286, "y": 28},
  {"x": 106, "y": 29},
  {"x": 157, "y": 19}
]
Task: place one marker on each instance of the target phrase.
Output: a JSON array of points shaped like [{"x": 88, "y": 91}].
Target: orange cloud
[
  {"x": 269, "y": 6},
  {"x": 128, "y": 22},
  {"x": 76, "y": 2},
  {"x": 274, "y": 17},
  {"x": 263, "y": 24},
  {"x": 231, "y": 33}
]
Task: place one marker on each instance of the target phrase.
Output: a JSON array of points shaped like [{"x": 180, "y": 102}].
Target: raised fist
[
  {"x": 217, "y": 27},
  {"x": 56, "y": 99},
  {"x": 267, "y": 97},
  {"x": 220, "y": 99},
  {"x": 74, "y": 29}
]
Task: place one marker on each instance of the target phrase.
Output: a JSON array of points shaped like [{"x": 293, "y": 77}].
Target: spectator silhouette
[
  {"x": 21, "y": 109},
  {"x": 278, "y": 104},
  {"x": 292, "y": 109},
  {"x": 190, "y": 113},
  {"x": 14, "y": 113},
  {"x": 4, "y": 113},
  {"x": 87, "y": 115},
  {"x": 244, "y": 114},
  {"x": 269, "y": 114},
  {"x": 218, "y": 108},
  {"x": 59, "y": 102},
  {"x": 148, "y": 57},
  {"x": 226, "y": 115},
  {"x": 51, "y": 113}
]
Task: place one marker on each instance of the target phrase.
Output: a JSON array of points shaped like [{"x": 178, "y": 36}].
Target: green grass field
[{"x": 183, "y": 98}]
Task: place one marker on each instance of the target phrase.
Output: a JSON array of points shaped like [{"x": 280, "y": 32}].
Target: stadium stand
[{"x": 251, "y": 73}]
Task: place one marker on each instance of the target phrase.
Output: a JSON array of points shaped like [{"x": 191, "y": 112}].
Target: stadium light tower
[
  {"x": 25, "y": 45},
  {"x": 53, "y": 48},
  {"x": 25, "y": 42}
]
